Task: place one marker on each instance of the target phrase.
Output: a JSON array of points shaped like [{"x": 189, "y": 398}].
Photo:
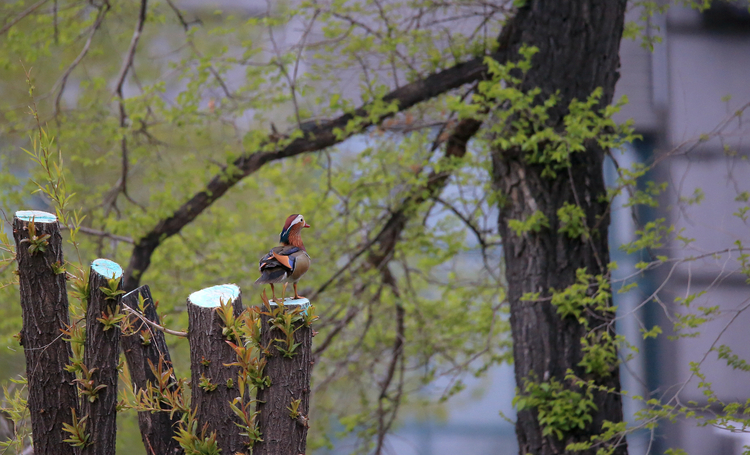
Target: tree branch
[
  {"x": 122, "y": 184},
  {"x": 81, "y": 55},
  {"x": 23, "y": 14},
  {"x": 319, "y": 137},
  {"x": 98, "y": 233},
  {"x": 154, "y": 325},
  {"x": 390, "y": 234},
  {"x": 130, "y": 54}
]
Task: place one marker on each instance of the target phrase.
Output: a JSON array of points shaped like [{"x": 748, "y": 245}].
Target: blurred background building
[{"x": 691, "y": 84}]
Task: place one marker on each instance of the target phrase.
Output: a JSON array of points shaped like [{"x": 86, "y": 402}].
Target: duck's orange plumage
[{"x": 287, "y": 262}]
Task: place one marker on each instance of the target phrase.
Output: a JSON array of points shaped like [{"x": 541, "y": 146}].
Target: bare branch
[
  {"x": 23, "y": 14},
  {"x": 98, "y": 233},
  {"x": 64, "y": 79},
  {"x": 122, "y": 183},
  {"x": 317, "y": 138},
  {"x": 130, "y": 54},
  {"x": 153, "y": 324}
]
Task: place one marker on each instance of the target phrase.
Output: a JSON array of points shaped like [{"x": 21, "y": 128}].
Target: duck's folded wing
[{"x": 279, "y": 257}]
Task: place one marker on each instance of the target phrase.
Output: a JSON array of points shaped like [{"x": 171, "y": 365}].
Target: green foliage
[
  {"x": 81, "y": 290},
  {"x": 251, "y": 367},
  {"x": 572, "y": 221},
  {"x": 230, "y": 323},
  {"x": 87, "y": 387},
  {"x": 560, "y": 409},
  {"x": 57, "y": 268},
  {"x": 37, "y": 243},
  {"x": 75, "y": 334},
  {"x": 733, "y": 360},
  {"x": 599, "y": 354},
  {"x": 534, "y": 223},
  {"x": 195, "y": 442},
  {"x": 248, "y": 418},
  {"x": 112, "y": 290},
  {"x": 77, "y": 431},
  {"x": 588, "y": 292},
  {"x": 522, "y": 121},
  {"x": 293, "y": 409},
  {"x": 206, "y": 384},
  {"x": 14, "y": 408},
  {"x": 111, "y": 319},
  {"x": 287, "y": 322},
  {"x": 652, "y": 235}
]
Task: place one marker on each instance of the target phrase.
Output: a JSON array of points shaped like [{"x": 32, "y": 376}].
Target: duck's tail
[{"x": 272, "y": 275}]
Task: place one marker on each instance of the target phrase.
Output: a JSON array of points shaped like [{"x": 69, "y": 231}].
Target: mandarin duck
[{"x": 287, "y": 262}]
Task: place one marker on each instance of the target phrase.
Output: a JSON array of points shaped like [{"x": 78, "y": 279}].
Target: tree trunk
[
  {"x": 214, "y": 384},
  {"x": 578, "y": 42},
  {"x": 44, "y": 302},
  {"x": 145, "y": 347},
  {"x": 101, "y": 356},
  {"x": 283, "y": 432}
]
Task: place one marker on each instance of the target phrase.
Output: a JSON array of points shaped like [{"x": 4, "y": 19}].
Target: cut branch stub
[
  {"x": 98, "y": 385},
  {"x": 145, "y": 348},
  {"x": 44, "y": 302},
  {"x": 214, "y": 384},
  {"x": 284, "y": 406}
]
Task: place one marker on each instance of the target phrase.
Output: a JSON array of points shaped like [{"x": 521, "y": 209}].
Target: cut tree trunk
[
  {"x": 214, "y": 384},
  {"x": 284, "y": 433},
  {"x": 145, "y": 348},
  {"x": 578, "y": 42},
  {"x": 44, "y": 302},
  {"x": 101, "y": 356}
]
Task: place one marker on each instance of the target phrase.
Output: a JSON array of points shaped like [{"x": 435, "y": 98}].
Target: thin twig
[
  {"x": 130, "y": 54},
  {"x": 153, "y": 324},
  {"x": 98, "y": 233},
  {"x": 122, "y": 184},
  {"x": 23, "y": 14},
  {"x": 64, "y": 79}
]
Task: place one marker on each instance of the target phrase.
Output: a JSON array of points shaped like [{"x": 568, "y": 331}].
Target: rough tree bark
[
  {"x": 578, "y": 43},
  {"x": 209, "y": 357},
  {"x": 44, "y": 302},
  {"x": 145, "y": 347},
  {"x": 101, "y": 356},
  {"x": 282, "y": 433}
]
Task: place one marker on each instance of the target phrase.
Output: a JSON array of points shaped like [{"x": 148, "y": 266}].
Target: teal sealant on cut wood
[
  {"x": 37, "y": 215},
  {"x": 304, "y": 304},
  {"x": 106, "y": 268},
  {"x": 210, "y": 297}
]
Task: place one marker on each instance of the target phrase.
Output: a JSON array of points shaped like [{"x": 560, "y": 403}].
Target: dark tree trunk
[
  {"x": 101, "y": 357},
  {"x": 578, "y": 43},
  {"x": 144, "y": 347},
  {"x": 209, "y": 356},
  {"x": 44, "y": 302},
  {"x": 290, "y": 381}
]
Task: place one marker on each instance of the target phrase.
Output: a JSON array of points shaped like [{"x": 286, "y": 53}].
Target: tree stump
[
  {"x": 283, "y": 420},
  {"x": 214, "y": 385},
  {"x": 44, "y": 302},
  {"x": 143, "y": 347},
  {"x": 101, "y": 356}
]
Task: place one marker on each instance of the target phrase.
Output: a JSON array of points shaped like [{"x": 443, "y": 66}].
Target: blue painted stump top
[
  {"x": 290, "y": 301},
  {"x": 37, "y": 215},
  {"x": 107, "y": 268},
  {"x": 209, "y": 297}
]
